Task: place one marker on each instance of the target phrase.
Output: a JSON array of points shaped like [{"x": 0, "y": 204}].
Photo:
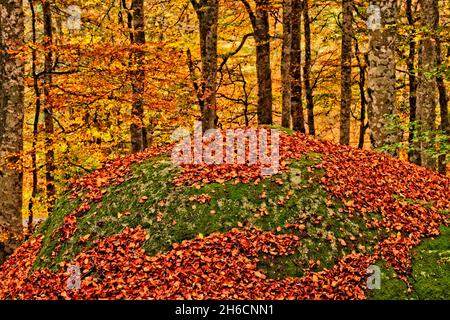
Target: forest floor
[{"x": 142, "y": 227}]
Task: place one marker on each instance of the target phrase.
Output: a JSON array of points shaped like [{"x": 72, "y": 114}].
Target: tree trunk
[
  {"x": 443, "y": 97},
  {"x": 37, "y": 113},
  {"x": 11, "y": 124},
  {"x": 381, "y": 73},
  {"x": 426, "y": 90},
  {"x": 413, "y": 154},
  {"x": 285, "y": 64},
  {"x": 307, "y": 69},
  {"x": 362, "y": 66},
  {"x": 264, "y": 71},
  {"x": 138, "y": 130},
  {"x": 208, "y": 17},
  {"x": 346, "y": 71},
  {"x": 298, "y": 118},
  {"x": 48, "y": 108}
]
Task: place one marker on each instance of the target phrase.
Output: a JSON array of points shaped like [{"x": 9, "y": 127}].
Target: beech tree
[
  {"x": 11, "y": 123},
  {"x": 381, "y": 72},
  {"x": 208, "y": 17},
  {"x": 346, "y": 71},
  {"x": 286, "y": 64},
  {"x": 138, "y": 130},
  {"x": 298, "y": 117},
  {"x": 443, "y": 94},
  {"x": 413, "y": 154},
  {"x": 307, "y": 69},
  {"x": 427, "y": 85},
  {"x": 48, "y": 107},
  {"x": 259, "y": 19}
]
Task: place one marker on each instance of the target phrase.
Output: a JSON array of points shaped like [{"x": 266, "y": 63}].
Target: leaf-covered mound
[{"x": 143, "y": 228}]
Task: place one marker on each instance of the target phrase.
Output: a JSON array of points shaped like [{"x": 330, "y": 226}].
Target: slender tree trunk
[
  {"x": 129, "y": 20},
  {"x": 346, "y": 71},
  {"x": 11, "y": 124},
  {"x": 264, "y": 70},
  {"x": 363, "y": 126},
  {"x": 307, "y": 70},
  {"x": 48, "y": 108},
  {"x": 37, "y": 93},
  {"x": 285, "y": 64},
  {"x": 381, "y": 79},
  {"x": 208, "y": 16},
  {"x": 261, "y": 28},
  {"x": 426, "y": 90},
  {"x": 138, "y": 130},
  {"x": 298, "y": 117},
  {"x": 413, "y": 154},
  {"x": 443, "y": 96}
]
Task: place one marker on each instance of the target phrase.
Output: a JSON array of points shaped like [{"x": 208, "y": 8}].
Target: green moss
[
  {"x": 169, "y": 214},
  {"x": 49, "y": 227},
  {"x": 329, "y": 233},
  {"x": 120, "y": 207},
  {"x": 430, "y": 278},
  {"x": 431, "y": 268},
  {"x": 392, "y": 288}
]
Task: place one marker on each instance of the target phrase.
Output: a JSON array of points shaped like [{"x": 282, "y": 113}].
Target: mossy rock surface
[
  {"x": 148, "y": 198},
  {"x": 170, "y": 214},
  {"x": 346, "y": 208}
]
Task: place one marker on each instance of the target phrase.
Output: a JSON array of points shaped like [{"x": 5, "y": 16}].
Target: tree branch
[
  {"x": 230, "y": 54},
  {"x": 251, "y": 14}
]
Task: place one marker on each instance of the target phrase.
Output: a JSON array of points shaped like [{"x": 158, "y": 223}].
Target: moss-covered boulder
[{"x": 143, "y": 227}]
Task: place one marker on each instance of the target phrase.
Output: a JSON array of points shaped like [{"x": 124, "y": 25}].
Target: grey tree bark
[
  {"x": 208, "y": 17},
  {"x": 346, "y": 71},
  {"x": 426, "y": 89},
  {"x": 11, "y": 123},
  {"x": 381, "y": 74},
  {"x": 138, "y": 130},
  {"x": 286, "y": 65}
]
